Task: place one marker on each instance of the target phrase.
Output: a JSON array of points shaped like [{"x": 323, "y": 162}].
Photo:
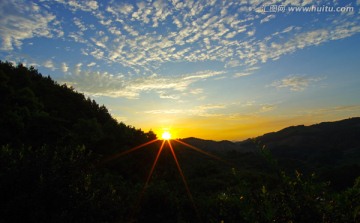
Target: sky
[{"x": 212, "y": 69}]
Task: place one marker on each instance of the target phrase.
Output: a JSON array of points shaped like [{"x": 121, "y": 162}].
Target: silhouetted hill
[
  {"x": 300, "y": 141},
  {"x": 63, "y": 158},
  {"x": 325, "y": 143},
  {"x": 216, "y": 146},
  {"x": 35, "y": 110},
  {"x": 332, "y": 149},
  {"x": 344, "y": 134}
]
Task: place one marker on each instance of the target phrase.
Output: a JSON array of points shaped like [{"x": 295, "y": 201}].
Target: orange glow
[
  {"x": 203, "y": 152},
  {"x": 166, "y": 138},
  {"x": 183, "y": 177},
  {"x": 153, "y": 166},
  {"x": 164, "y": 131},
  {"x": 115, "y": 156},
  {"x": 166, "y": 135}
]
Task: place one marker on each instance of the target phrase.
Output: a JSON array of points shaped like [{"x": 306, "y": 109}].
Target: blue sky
[{"x": 213, "y": 69}]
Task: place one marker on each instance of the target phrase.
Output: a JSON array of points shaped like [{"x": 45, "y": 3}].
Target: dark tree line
[
  {"x": 35, "y": 110},
  {"x": 51, "y": 138},
  {"x": 52, "y": 142}
]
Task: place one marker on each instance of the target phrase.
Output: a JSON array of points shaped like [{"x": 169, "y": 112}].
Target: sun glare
[{"x": 166, "y": 135}]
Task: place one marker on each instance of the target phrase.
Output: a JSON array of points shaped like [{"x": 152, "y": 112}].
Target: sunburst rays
[{"x": 181, "y": 173}]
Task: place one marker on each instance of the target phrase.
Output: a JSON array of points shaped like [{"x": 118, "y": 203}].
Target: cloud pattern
[
  {"x": 138, "y": 39},
  {"x": 144, "y": 35}
]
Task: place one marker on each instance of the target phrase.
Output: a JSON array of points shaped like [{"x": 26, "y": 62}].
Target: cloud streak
[
  {"x": 295, "y": 82},
  {"x": 140, "y": 38},
  {"x": 106, "y": 84},
  {"x": 194, "y": 32},
  {"x": 20, "y": 21},
  {"x": 191, "y": 31}
]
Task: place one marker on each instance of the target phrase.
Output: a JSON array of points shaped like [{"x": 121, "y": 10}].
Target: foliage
[
  {"x": 50, "y": 184},
  {"x": 35, "y": 110},
  {"x": 53, "y": 143},
  {"x": 288, "y": 199}
]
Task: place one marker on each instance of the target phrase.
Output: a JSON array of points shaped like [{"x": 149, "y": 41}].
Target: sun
[{"x": 166, "y": 135}]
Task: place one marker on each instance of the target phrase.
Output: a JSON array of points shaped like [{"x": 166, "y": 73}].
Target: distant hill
[
  {"x": 342, "y": 135},
  {"x": 326, "y": 143},
  {"x": 214, "y": 146},
  {"x": 63, "y": 158},
  {"x": 332, "y": 149}
]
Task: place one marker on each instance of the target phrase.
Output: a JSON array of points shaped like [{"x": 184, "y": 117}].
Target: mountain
[
  {"x": 36, "y": 111},
  {"x": 341, "y": 136},
  {"x": 63, "y": 158},
  {"x": 331, "y": 149},
  {"x": 51, "y": 141},
  {"x": 214, "y": 146},
  {"x": 327, "y": 143}
]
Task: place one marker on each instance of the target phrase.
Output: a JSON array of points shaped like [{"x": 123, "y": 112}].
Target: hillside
[
  {"x": 63, "y": 158},
  {"x": 331, "y": 149},
  {"x": 35, "y": 110},
  {"x": 51, "y": 138},
  {"x": 343, "y": 133}
]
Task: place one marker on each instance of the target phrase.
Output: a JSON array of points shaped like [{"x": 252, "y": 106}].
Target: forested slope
[
  {"x": 56, "y": 165},
  {"x": 51, "y": 138},
  {"x": 35, "y": 110}
]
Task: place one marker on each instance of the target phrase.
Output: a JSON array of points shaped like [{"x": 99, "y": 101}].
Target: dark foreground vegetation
[{"x": 54, "y": 167}]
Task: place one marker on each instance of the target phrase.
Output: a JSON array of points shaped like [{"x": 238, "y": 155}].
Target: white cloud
[
  {"x": 166, "y": 95},
  {"x": 196, "y": 91},
  {"x": 233, "y": 63},
  {"x": 267, "y": 108},
  {"x": 231, "y": 35},
  {"x": 243, "y": 74},
  {"x": 130, "y": 30},
  {"x": 295, "y": 83},
  {"x": 98, "y": 54},
  {"x": 207, "y": 110},
  {"x": 251, "y": 32},
  {"x": 208, "y": 36},
  {"x": 101, "y": 42},
  {"x": 84, "y": 5},
  {"x": 79, "y": 24},
  {"x": 96, "y": 83},
  {"x": 114, "y": 30},
  {"x": 64, "y": 67},
  {"x": 77, "y": 69},
  {"x": 189, "y": 31},
  {"x": 91, "y": 64},
  {"x": 77, "y": 37},
  {"x": 165, "y": 111},
  {"x": 267, "y": 18},
  {"x": 124, "y": 8},
  {"x": 211, "y": 106},
  {"x": 49, "y": 64},
  {"x": 19, "y": 22},
  {"x": 203, "y": 75},
  {"x": 177, "y": 22}
]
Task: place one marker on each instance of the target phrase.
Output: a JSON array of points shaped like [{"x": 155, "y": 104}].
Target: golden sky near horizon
[{"x": 212, "y": 69}]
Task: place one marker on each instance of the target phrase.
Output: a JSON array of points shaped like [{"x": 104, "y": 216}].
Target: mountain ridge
[
  {"x": 64, "y": 158},
  {"x": 330, "y": 149},
  {"x": 296, "y": 132}
]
